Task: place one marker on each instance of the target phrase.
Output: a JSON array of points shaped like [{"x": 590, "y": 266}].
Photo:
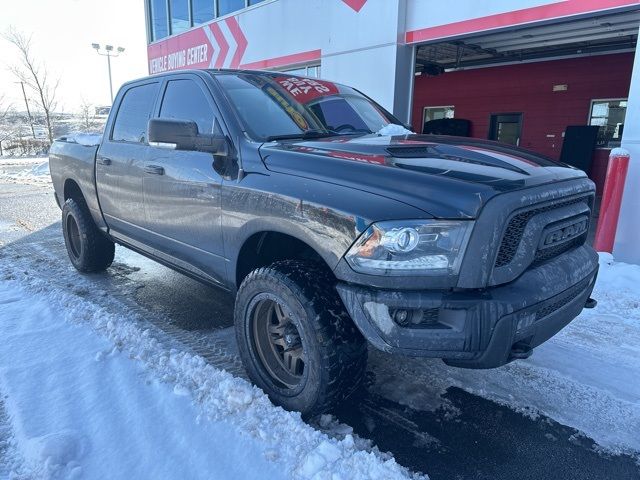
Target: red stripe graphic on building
[
  {"x": 285, "y": 60},
  {"x": 223, "y": 46},
  {"x": 217, "y": 45},
  {"x": 355, "y": 4},
  {"x": 240, "y": 39},
  {"x": 192, "y": 49},
  {"x": 561, "y": 9}
]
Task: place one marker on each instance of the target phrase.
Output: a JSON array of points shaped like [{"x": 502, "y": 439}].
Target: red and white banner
[
  {"x": 216, "y": 45},
  {"x": 305, "y": 90}
]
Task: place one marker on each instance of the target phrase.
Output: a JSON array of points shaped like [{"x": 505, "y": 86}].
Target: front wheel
[
  {"x": 295, "y": 338},
  {"x": 89, "y": 250}
]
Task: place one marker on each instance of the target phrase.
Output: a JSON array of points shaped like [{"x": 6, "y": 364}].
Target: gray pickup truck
[{"x": 333, "y": 226}]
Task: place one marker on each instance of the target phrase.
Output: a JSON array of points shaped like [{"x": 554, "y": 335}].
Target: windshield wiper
[{"x": 306, "y": 135}]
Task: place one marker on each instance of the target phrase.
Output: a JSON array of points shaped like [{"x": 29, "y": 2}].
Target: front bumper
[{"x": 481, "y": 328}]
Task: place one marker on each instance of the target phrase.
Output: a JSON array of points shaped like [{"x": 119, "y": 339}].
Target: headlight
[{"x": 414, "y": 247}]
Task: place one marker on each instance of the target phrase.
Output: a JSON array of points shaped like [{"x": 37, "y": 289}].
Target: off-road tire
[
  {"x": 336, "y": 352},
  {"x": 89, "y": 249}
]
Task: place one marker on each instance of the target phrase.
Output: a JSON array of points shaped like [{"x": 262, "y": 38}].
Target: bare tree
[
  {"x": 87, "y": 112},
  {"x": 5, "y": 107},
  {"x": 35, "y": 75},
  {"x": 5, "y": 131}
]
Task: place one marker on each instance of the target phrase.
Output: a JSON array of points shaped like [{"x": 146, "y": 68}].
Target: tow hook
[
  {"x": 520, "y": 351},
  {"x": 591, "y": 303}
]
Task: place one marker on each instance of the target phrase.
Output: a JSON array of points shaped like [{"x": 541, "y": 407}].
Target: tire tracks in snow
[
  {"x": 216, "y": 346},
  {"x": 205, "y": 364}
]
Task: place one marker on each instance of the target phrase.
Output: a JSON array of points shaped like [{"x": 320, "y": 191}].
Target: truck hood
[{"x": 446, "y": 177}]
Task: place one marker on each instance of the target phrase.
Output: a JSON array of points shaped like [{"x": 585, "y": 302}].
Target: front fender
[{"x": 325, "y": 216}]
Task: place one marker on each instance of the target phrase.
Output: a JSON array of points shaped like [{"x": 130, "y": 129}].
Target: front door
[
  {"x": 182, "y": 191},
  {"x": 506, "y": 128}
]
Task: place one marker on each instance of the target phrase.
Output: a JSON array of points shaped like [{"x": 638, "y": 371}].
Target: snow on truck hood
[{"x": 421, "y": 170}]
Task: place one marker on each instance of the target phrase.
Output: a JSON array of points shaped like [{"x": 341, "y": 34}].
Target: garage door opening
[{"x": 528, "y": 85}]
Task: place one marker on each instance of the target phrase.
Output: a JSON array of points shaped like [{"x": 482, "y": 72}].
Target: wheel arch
[
  {"x": 71, "y": 189},
  {"x": 264, "y": 243}
]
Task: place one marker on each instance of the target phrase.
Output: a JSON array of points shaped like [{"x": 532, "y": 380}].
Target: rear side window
[
  {"x": 134, "y": 113},
  {"x": 185, "y": 100}
]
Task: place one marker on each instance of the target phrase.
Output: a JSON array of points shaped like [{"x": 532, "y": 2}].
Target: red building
[{"x": 541, "y": 99}]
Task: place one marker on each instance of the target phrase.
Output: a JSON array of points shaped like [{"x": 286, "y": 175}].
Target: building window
[
  {"x": 202, "y": 11},
  {"x": 226, "y": 7},
  {"x": 609, "y": 116},
  {"x": 180, "y": 20},
  {"x": 437, "y": 113},
  {"x": 308, "y": 71},
  {"x": 159, "y": 19},
  {"x": 171, "y": 17}
]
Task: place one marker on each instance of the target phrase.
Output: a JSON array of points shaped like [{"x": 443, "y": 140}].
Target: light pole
[{"x": 108, "y": 53}]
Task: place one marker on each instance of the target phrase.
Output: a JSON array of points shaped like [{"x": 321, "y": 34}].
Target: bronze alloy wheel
[
  {"x": 295, "y": 337},
  {"x": 73, "y": 234},
  {"x": 278, "y": 343}
]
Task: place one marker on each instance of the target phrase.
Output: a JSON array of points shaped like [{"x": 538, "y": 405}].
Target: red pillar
[{"x": 611, "y": 200}]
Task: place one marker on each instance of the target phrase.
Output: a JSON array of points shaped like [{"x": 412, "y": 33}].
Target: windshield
[{"x": 278, "y": 106}]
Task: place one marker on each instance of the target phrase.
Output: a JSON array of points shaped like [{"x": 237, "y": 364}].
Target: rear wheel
[
  {"x": 296, "y": 340},
  {"x": 89, "y": 250}
]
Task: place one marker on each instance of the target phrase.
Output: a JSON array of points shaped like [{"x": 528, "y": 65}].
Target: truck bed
[{"x": 69, "y": 159}]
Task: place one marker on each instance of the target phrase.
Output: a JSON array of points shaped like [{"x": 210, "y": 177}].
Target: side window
[
  {"x": 134, "y": 113},
  {"x": 184, "y": 100}
]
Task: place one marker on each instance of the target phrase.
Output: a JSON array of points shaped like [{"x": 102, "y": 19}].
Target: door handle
[
  {"x": 104, "y": 161},
  {"x": 154, "y": 169}
]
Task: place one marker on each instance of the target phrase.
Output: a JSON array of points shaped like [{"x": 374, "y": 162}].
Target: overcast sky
[{"x": 63, "y": 31}]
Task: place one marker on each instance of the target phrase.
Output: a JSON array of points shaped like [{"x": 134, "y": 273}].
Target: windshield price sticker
[
  {"x": 295, "y": 116},
  {"x": 305, "y": 90}
]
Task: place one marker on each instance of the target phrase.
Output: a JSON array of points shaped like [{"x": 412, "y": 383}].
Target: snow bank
[
  {"x": 393, "y": 129},
  {"x": 122, "y": 404}
]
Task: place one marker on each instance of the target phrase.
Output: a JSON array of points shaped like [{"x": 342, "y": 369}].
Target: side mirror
[{"x": 184, "y": 135}]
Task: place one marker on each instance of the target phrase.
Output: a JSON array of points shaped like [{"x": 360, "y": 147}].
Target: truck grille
[
  {"x": 549, "y": 253},
  {"x": 515, "y": 229}
]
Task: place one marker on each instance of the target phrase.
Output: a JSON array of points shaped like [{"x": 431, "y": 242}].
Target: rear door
[
  {"x": 121, "y": 158},
  {"x": 182, "y": 189}
]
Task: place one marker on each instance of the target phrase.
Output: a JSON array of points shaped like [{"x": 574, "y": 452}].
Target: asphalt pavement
[{"x": 480, "y": 440}]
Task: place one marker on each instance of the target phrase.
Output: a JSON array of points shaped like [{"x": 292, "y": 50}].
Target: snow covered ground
[
  {"x": 92, "y": 388},
  {"x": 27, "y": 170},
  {"x": 89, "y": 394}
]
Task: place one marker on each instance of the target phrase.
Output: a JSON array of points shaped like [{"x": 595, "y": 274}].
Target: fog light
[{"x": 400, "y": 317}]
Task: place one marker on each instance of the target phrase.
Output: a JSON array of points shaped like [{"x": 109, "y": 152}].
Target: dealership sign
[
  {"x": 216, "y": 45},
  {"x": 304, "y": 90}
]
